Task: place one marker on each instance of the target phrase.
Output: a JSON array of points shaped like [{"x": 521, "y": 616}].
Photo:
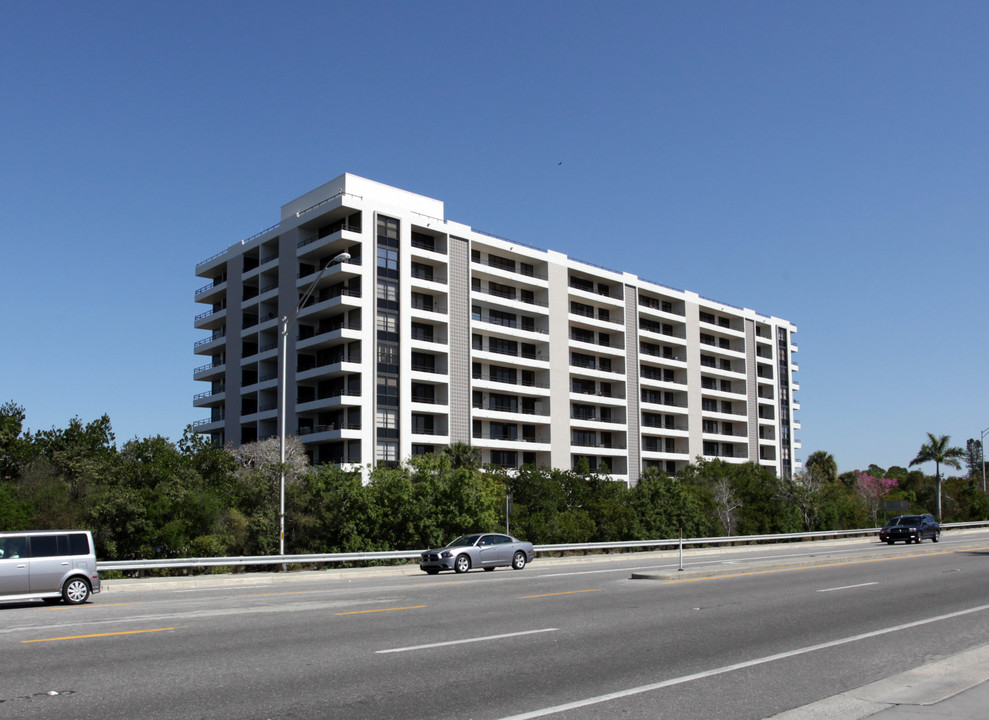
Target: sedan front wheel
[{"x": 462, "y": 564}]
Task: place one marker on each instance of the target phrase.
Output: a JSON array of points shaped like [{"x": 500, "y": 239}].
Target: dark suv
[{"x": 910, "y": 527}]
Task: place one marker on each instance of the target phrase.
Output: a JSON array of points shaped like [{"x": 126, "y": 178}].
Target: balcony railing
[
  {"x": 499, "y": 407},
  {"x": 212, "y": 338},
  {"x": 331, "y": 427},
  {"x": 497, "y": 349},
  {"x": 510, "y": 296},
  {"x": 509, "y": 381}
]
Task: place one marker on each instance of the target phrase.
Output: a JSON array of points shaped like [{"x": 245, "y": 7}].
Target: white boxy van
[{"x": 49, "y": 564}]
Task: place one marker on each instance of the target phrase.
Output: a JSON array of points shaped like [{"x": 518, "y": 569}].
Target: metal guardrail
[{"x": 244, "y": 560}]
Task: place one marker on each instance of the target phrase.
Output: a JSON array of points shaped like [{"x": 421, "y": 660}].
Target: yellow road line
[
  {"x": 377, "y": 610},
  {"x": 96, "y": 635},
  {"x": 826, "y": 565},
  {"x": 569, "y": 592}
]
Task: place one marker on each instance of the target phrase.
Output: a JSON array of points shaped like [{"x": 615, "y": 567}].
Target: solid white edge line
[
  {"x": 848, "y": 587},
  {"x": 466, "y": 640},
  {"x": 737, "y": 666}
]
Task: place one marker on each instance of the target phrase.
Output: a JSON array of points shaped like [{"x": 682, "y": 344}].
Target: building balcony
[
  {"x": 512, "y": 272},
  {"x": 495, "y": 384},
  {"x": 515, "y": 301},
  {"x": 496, "y": 354},
  {"x": 331, "y": 304},
  {"x": 210, "y": 398},
  {"x": 212, "y": 293},
  {"x": 345, "y": 332},
  {"x": 211, "y": 424},
  {"x": 207, "y": 372},
  {"x": 326, "y": 433},
  {"x": 211, "y": 319},
  {"x": 501, "y": 441},
  {"x": 209, "y": 346},
  {"x": 329, "y": 370},
  {"x": 596, "y": 297},
  {"x": 678, "y": 430},
  {"x": 614, "y": 398},
  {"x": 658, "y": 405},
  {"x": 597, "y": 444},
  {"x": 502, "y": 413},
  {"x": 332, "y": 244},
  {"x": 343, "y": 399}
]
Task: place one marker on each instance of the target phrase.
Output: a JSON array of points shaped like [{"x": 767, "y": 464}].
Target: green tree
[
  {"x": 938, "y": 450},
  {"x": 15, "y": 450},
  {"x": 973, "y": 457},
  {"x": 666, "y": 505}
]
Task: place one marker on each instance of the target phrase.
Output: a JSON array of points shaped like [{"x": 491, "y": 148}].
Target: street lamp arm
[
  {"x": 286, "y": 323},
  {"x": 341, "y": 258}
]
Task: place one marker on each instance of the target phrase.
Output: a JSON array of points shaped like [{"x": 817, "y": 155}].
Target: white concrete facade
[{"x": 434, "y": 333}]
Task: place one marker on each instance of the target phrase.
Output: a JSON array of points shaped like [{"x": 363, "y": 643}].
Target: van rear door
[{"x": 14, "y": 575}]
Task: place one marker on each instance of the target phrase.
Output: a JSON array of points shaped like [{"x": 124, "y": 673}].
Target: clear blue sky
[{"x": 824, "y": 162}]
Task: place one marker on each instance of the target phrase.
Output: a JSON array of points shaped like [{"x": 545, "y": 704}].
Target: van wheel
[{"x": 75, "y": 591}]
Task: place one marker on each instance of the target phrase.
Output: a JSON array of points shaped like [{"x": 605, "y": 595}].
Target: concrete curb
[{"x": 922, "y": 688}]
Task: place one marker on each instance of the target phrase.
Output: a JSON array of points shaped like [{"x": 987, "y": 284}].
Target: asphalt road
[{"x": 560, "y": 639}]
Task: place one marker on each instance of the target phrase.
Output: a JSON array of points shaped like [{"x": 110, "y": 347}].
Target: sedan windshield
[
  {"x": 907, "y": 520},
  {"x": 464, "y": 541}
]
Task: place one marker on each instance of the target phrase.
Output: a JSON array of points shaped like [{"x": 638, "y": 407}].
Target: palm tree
[
  {"x": 936, "y": 450},
  {"x": 822, "y": 465},
  {"x": 463, "y": 455}
]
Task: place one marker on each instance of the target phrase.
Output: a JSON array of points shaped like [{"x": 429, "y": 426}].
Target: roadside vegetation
[{"x": 154, "y": 498}]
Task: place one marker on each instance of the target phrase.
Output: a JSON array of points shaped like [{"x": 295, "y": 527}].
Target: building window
[
  {"x": 387, "y": 423},
  {"x": 386, "y": 452},
  {"x": 387, "y": 295}
]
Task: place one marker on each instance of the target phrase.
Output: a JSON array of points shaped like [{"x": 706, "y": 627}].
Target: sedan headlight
[{"x": 446, "y": 554}]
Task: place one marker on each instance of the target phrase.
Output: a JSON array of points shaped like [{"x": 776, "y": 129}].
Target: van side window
[
  {"x": 13, "y": 547},
  {"x": 78, "y": 544},
  {"x": 44, "y": 545}
]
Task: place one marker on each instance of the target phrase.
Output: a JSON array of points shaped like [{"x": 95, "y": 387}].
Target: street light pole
[
  {"x": 982, "y": 452},
  {"x": 287, "y": 323}
]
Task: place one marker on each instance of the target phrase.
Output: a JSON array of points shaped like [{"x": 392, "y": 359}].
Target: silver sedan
[{"x": 480, "y": 550}]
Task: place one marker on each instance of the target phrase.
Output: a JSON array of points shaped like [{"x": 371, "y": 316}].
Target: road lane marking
[
  {"x": 621, "y": 694},
  {"x": 568, "y": 592},
  {"x": 96, "y": 635},
  {"x": 465, "y": 641},
  {"x": 848, "y": 587},
  {"x": 287, "y": 592},
  {"x": 376, "y": 610}
]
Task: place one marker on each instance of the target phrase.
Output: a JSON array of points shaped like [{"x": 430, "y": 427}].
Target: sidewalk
[{"x": 955, "y": 687}]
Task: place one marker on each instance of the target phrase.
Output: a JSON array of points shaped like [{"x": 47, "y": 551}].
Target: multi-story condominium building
[{"x": 432, "y": 332}]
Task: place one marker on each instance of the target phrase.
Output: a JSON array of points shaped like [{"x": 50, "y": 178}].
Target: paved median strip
[{"x": 98, "y": 635}]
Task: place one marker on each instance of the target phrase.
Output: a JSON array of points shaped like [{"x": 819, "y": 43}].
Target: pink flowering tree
[{"x": 872, "y": 490}]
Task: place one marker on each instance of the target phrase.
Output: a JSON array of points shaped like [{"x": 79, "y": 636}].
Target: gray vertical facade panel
[
  {"x": 459, "y": 324},
  {"x": 633, "y": 417},
  {"x": 751, "y": 390},
  {"x": 233, "y": 344}
]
